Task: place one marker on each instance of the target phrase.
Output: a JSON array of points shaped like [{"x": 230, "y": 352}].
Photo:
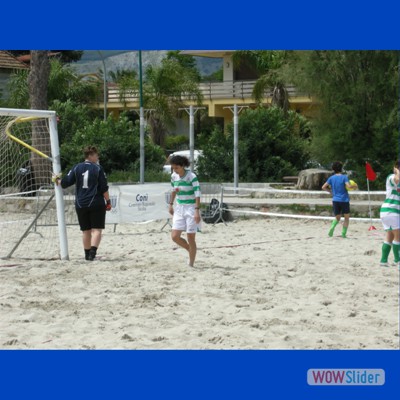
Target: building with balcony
[{"x": 235, "y": 88}]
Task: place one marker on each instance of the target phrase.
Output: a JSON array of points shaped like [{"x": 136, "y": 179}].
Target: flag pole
[{"x": 371, "y": 228}]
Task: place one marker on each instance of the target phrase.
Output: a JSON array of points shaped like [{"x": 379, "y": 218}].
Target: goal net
[{"x": 32, "y": 223}]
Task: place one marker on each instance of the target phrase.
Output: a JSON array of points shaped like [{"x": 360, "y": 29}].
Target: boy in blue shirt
[{"x": 337, "y": 185}]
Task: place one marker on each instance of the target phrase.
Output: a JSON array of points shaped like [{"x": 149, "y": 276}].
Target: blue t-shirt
[
  {"x": 338, "y": 186},
  {"x": 90, "y": 184}
]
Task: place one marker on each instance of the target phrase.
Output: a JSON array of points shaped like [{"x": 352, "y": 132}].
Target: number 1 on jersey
[{"x": 85, "y": 179}]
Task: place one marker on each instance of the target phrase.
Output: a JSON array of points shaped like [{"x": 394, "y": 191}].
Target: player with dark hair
[
  {"x": 337, "y": 184},
  {"x": 186, "y": 216},
  {"x": 390, "y": 217},
  {"x": 92, "y": 199}
]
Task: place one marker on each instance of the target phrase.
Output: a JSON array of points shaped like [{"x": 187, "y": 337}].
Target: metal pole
[
  {"x": 191, "y": 137},
  {"x": 104, "y": 85},
  {"x": 55, "y": 153},
  {"x": 141, "y": 116},
  {"x": 235, "y": 148},
  {"x": 369, "y": 206}
]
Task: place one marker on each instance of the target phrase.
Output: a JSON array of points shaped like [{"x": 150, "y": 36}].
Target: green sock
[
  {"x": 396, "y": 251},
  {"x": 333, "y": 226},
  {"x": 385, "y": 252},
  {"x": 344, "y": 231}
]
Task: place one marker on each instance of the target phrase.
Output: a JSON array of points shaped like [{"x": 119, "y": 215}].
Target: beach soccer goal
[{"x": 32, "y": 223}]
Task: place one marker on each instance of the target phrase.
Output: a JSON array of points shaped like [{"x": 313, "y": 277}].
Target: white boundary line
[
  {"x": 18, "y": 195},
  {"x": 16, "y": 221},
  {"x": 238, "y": 189},
  {"x": 268, "y": 214}
]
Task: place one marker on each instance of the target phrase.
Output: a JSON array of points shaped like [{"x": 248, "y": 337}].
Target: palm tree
[
  {"x": 127, "y": 82},
  {"x": 166, "y": 88},
  {"x": 65, "y": 84},
  {"x": 277, "y": 87},
  {"x": 62, "y": 84},
  {"x": 267, "y": 64}
]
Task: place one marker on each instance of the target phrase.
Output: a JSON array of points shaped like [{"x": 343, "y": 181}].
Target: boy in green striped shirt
[
  {"x": 390, "y": 217},
  {"x": 186, "y": 215}
]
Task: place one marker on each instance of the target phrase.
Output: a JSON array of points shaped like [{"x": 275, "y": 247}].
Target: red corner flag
[{"x": 371, "y": 174}]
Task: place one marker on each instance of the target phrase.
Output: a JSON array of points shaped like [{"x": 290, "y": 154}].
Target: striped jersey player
[
  {"x": 390, "y": 217},
  {"x": 186, "y": 215}
]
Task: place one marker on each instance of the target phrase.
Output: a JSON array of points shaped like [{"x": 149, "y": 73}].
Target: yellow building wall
[{"x": 218, "y": 107}]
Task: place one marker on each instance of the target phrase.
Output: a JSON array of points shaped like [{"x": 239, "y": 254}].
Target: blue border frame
[
  {"x": 273, "y": 374},
  {"x": 189, "y": 374},
  {"x": 158, "y": 25}
]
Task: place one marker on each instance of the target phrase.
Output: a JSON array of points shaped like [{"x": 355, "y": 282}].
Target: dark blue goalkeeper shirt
[{"x": 90, "y": 184}]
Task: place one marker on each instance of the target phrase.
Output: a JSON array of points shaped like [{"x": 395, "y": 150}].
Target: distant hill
[{"x": 91, "y": 61}]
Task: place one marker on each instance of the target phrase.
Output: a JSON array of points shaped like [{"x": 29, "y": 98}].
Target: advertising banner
[{"x": 138, "y": 203}]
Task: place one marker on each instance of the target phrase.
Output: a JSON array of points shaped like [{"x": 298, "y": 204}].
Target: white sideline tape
[
  {"x": 15, "y": 222},
  {"x": 19, "y": 194},
  {"x": 268, "y": 214},
  {"x": 231, "y": 188}
]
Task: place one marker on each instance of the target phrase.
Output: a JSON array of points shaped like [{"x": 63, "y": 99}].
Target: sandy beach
[{"x": 262, "y": 283}]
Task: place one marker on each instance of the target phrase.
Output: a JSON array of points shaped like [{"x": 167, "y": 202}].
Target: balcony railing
[{"x": 209, "y": 91}]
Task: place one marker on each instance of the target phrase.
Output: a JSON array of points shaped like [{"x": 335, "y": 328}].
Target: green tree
[
  {"x": 271, "y": 145},
  {"x": 17, "y": 87},
  {"x": 118, "y": 142},
  {"x": 358, "y": 94},
  {"x": 72, "y": 117},
  {"x": 165, "y": 89},
  {"x": 217, "y": 76},
  {"x": 186, "y": 61}
]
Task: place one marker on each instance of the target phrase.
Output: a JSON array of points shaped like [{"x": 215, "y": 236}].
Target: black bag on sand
[{"x": 211, "y": 214}]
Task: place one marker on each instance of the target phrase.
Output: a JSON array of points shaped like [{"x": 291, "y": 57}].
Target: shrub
[
  {"x": 271, "y": 145},
  {"x": 118, "y": 142}
]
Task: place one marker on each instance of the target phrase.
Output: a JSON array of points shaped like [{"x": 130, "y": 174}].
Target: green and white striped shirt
[
  {"x": 187, "y": 187},
  {"x": 391, "y": 205}
]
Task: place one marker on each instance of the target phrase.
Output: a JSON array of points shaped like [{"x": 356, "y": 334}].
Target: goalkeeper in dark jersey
[{"x": 91, "y": 199}]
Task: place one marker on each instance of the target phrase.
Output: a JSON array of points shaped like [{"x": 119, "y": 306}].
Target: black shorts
[
  {"x": 341, "y": 207},
  {"x": 91, "y": 217}
]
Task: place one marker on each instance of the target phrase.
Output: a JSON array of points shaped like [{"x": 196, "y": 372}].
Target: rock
[{"x": 312, "y": 179}]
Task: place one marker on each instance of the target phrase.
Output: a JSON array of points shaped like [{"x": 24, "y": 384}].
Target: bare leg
[
  {"x": 189, "y": 245},
  {"x": 192, "y": 248},
  {"x": 389, "y": 236},
  {"x": 86, "y": 239},
  {"x": 176, "y": 237},
  {"x": 95, "y": 237}
]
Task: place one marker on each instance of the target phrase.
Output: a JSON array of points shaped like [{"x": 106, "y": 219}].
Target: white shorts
[
  {"x": 391, "y": 222},
  {"x": 183, "y": 219}
]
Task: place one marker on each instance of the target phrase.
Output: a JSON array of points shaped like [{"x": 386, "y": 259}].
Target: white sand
[{"x": 257, "y": 284}]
